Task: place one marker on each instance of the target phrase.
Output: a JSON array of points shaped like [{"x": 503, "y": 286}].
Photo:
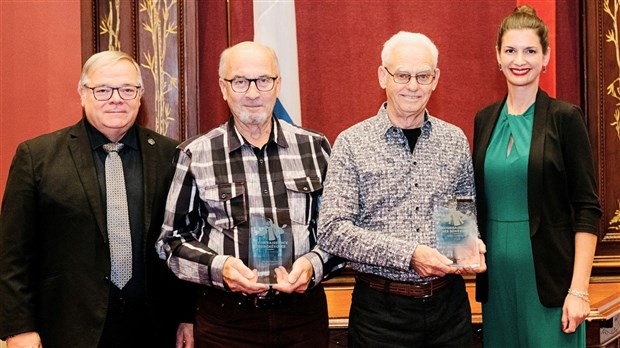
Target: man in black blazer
[{"x": 56, "y": 287}]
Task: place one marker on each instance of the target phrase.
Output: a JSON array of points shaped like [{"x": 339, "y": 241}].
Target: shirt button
[
  {"x": 223, "y": 195},
  {"x": 415, "y": 163},
  {"x": 261, "y": 161},
  {"x": 306, "y": 188},
  {"x": 416, "y": 184},
  {"x": 265, "y": 191},
  {"x": 417, "y": 229},
  {"x": 417, "y": 208}
]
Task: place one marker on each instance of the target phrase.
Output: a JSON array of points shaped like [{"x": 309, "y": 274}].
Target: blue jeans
[{"x": 378, "y": 319}]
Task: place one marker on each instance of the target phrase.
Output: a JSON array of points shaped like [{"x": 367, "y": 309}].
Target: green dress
[{"x": 513, "y": 315}]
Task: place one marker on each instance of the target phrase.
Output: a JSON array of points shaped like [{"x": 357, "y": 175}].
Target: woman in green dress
[{"x": 537, "y": 201}]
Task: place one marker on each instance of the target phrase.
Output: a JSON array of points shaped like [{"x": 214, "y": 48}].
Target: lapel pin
[{"x": 151, "y": 141}]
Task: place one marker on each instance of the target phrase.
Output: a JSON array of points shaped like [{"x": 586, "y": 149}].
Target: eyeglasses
[
  {"x": 104, "y": 93},
  {"x": 263, "y": 83},
  {"x": 404, "y": 78}
]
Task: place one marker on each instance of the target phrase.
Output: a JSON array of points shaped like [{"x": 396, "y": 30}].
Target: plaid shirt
[
  {"x": 379, "y": 196},
  {"x": 221, "y": 180}
]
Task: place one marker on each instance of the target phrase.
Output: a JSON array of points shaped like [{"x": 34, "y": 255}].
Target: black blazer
[
  {"x": 562, "y": 194},
  {"x": 54, "y": 256}
]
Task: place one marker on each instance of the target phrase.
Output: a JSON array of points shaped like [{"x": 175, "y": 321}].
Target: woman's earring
[
  {"x": 500, "y": 66},
  {"x": 544, "y": 69}
]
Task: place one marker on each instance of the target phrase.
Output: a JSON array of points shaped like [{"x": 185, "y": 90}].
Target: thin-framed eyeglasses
[
  {"x": 242, "y": 84},
  {"x": 404, "y": 78},
  {"x": 104, "y": 93}
]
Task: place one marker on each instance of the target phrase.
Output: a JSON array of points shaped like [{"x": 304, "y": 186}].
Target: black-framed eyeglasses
[
  {"x": 404, "y": 78},
  {"x": 263, "y": 83},
  {"x": 104, "y": 93}
]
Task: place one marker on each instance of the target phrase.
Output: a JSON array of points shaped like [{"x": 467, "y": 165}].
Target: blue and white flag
[{"x": 274, "y": 26}]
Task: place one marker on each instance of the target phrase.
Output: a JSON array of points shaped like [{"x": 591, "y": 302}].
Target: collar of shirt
[
  {"x": 97, "y": 139},
  {"x": 236, "y": 140},
  {"x": 386, "y": 127}
]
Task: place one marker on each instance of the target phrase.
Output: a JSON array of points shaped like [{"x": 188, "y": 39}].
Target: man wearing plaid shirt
[{"x": 253, "y": 165}]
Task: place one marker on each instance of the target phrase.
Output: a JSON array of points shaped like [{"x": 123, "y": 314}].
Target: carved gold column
[{"x": 602, "y": 106}]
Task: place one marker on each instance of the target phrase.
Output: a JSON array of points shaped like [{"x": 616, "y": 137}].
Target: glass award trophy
[
  {"x": 271, "y": 246},
  {"x": 457, "y": 231}
]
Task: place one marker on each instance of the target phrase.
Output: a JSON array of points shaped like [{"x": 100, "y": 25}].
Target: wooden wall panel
[{"x": 602, "y": 107}]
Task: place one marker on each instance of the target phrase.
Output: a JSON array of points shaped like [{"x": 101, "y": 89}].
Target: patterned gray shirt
[{"x": 378, "y": 198}]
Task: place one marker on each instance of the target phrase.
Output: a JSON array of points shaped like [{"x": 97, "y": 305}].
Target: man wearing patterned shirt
[
  {"x": 252, "y": 166},
  {"x": 386, "y": 174}
]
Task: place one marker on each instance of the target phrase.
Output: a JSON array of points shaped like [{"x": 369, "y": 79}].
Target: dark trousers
[
  {"x": 130, "y": 325},
  {"x": 378, "y": 319},
  {"x": 125, "y": 326},
  {"x": 226, "y": 319}
]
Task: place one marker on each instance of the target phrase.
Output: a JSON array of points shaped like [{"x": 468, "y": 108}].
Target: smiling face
[
  {"x": 115, "y": 116},
  {"x": 251, "y": 61},
  {"x": 407, "y": 102},
  {"x": 521, "y": 57}
]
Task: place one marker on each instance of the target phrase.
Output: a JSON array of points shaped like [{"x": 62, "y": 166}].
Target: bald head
[{"x": 244, "y": 50}]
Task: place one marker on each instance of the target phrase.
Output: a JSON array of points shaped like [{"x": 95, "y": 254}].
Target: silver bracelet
[{"x": 581, "y": 294}]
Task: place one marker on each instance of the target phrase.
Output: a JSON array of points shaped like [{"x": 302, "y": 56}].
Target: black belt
[
  {"x": 270, "y": 300},
  {"x": 416, "y": 290}
]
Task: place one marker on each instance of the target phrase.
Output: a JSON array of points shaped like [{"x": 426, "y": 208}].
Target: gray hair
[
  {"x": 405, "y": 37},
  {"x": 104, "y": 58}
]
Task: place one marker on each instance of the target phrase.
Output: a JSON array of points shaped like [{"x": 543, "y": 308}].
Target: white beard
[{"x": 253, "y": 119}]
